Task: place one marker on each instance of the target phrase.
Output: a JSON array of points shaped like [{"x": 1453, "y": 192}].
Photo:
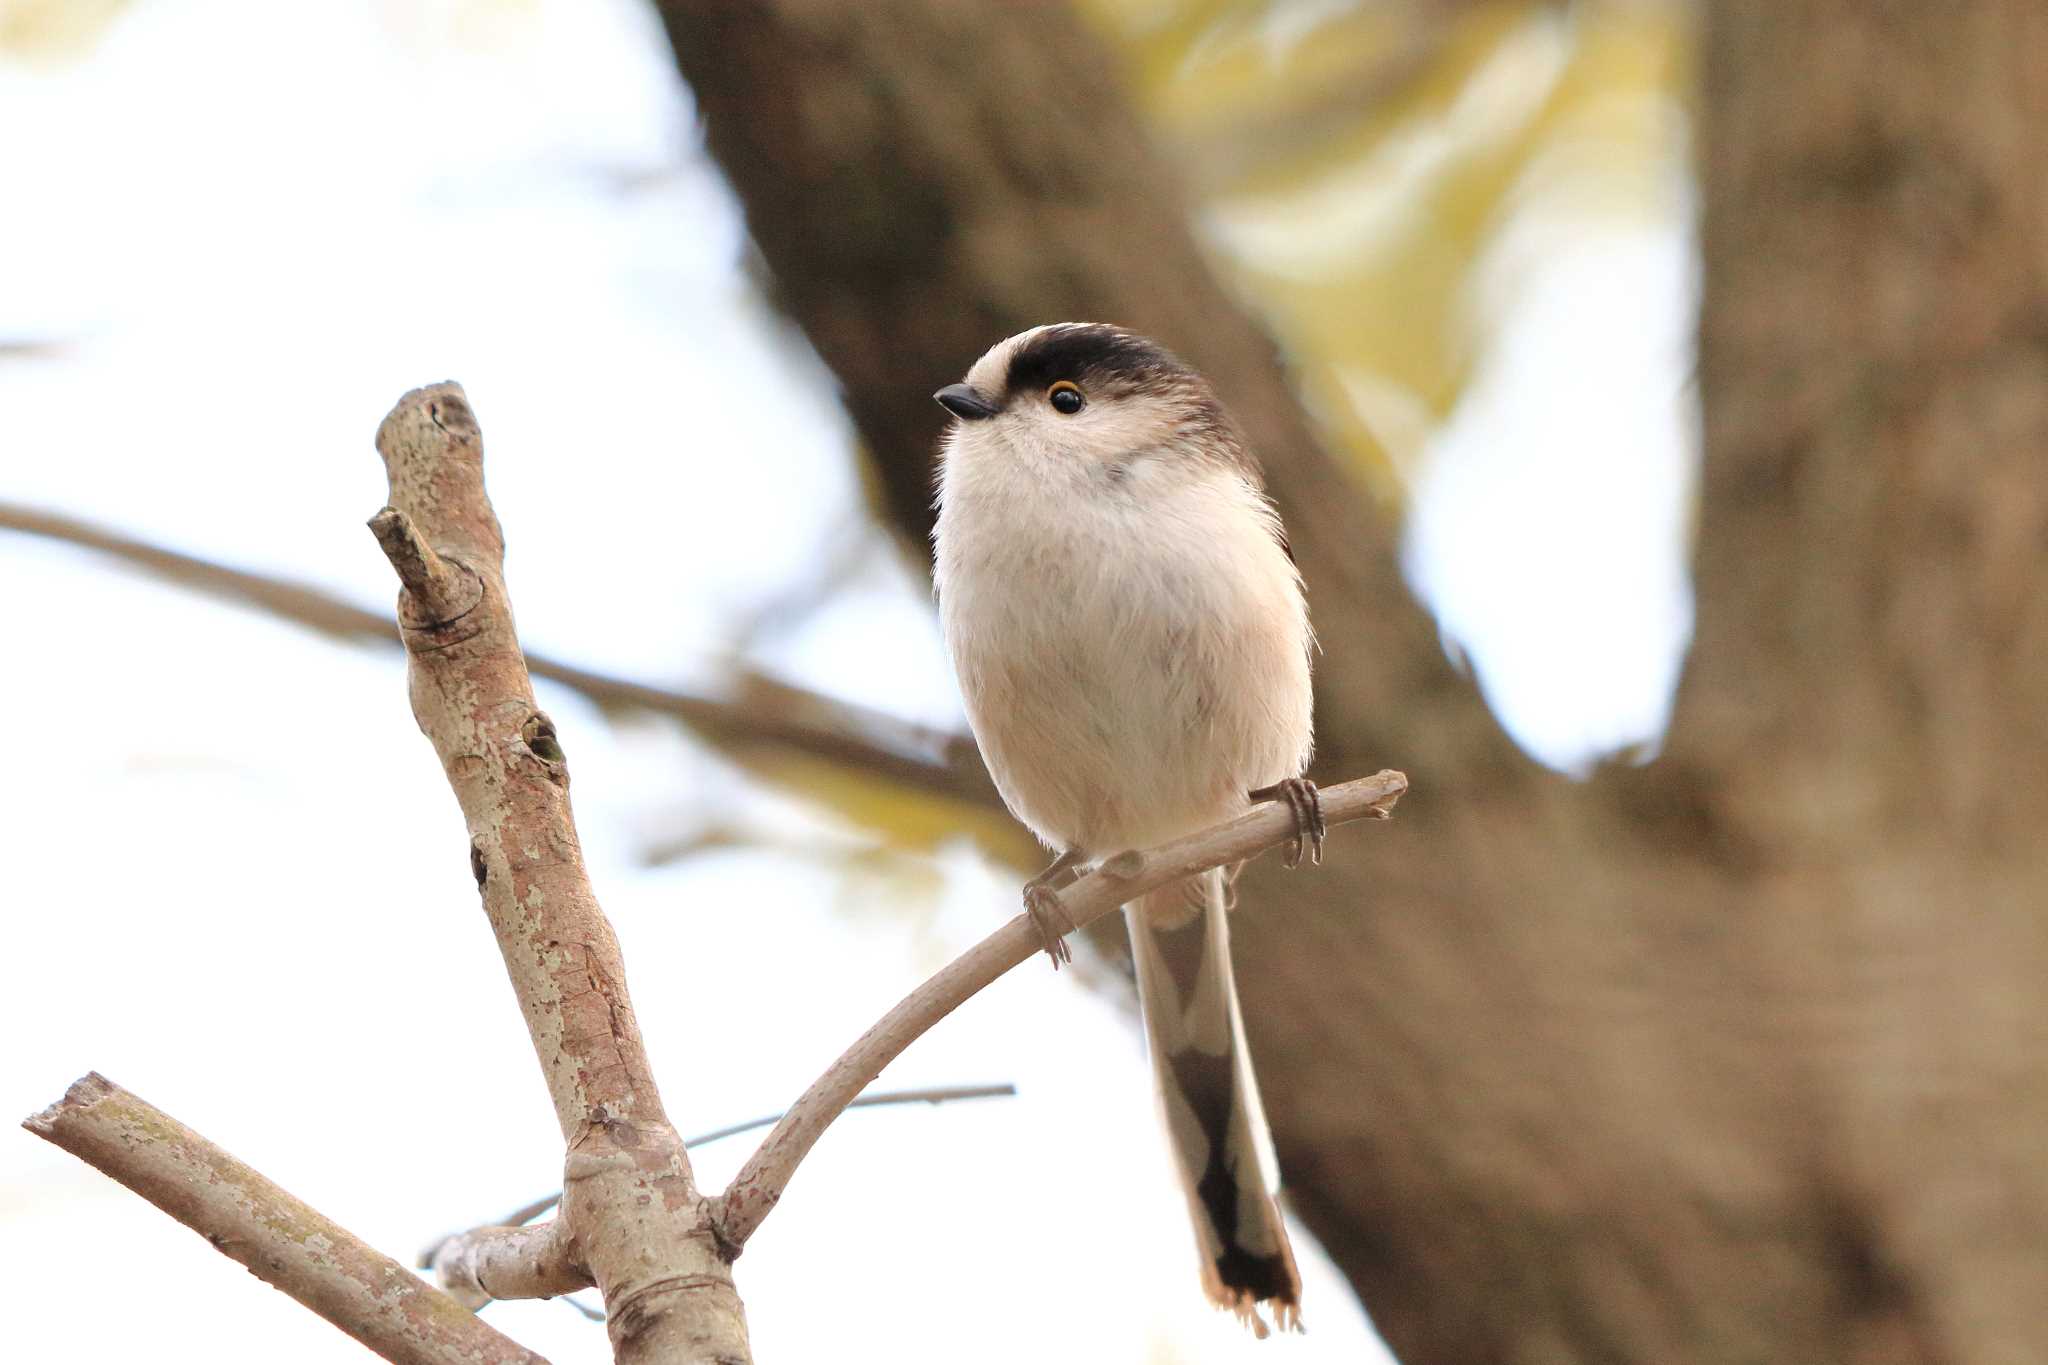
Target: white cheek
[
  {"x": 1101, "y": 434},
  {"x": 1111, "y": 429}
]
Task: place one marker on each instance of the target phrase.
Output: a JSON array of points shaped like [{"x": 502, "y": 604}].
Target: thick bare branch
[
  {"x": 761, "y": 1181},
  {"x": 760, "y": 713},
  {"x": 279, "y": 1238},
  {"x": 631, "y": 1215}
]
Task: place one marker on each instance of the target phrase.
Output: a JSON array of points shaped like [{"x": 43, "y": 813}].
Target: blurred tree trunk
[{"x": 1737, "y": 1057}]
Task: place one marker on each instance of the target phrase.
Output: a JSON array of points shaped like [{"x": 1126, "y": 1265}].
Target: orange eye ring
[{"x": 1066, "y": 397}]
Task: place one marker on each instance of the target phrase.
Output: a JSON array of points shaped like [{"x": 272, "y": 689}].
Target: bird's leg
[
  {"x": 1300, "y": 795},
  {"x": 1042, "y": 903}
]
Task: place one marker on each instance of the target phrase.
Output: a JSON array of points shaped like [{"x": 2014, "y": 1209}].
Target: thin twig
[
  {"x": 508, "y": 1263},
  {"x": 285, "y": 1242},
  {"x": 761, "y": 1181},
  {"x": 760, "y": 712},
  {"x": 931, "y": 1095}
]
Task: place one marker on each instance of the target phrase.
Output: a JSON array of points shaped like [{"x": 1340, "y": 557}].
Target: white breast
[{"x": 1131, "y": 641}]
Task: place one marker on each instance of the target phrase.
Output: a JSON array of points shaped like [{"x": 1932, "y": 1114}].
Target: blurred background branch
[{"x": 764, "y": 714}]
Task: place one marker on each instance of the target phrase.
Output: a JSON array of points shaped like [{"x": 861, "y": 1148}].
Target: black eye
[{"x": 1066, "y": 398}]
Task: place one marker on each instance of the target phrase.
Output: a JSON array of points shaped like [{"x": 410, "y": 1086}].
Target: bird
[{"x": 1132, "y": 643}]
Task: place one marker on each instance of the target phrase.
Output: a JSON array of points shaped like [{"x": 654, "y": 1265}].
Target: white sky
[{"x": 243, "y": 882}]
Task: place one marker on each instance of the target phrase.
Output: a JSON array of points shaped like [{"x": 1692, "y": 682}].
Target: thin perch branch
[
  {"x": 283, "y": 1241},
  {"x": 755, "y": 1191},
  {"x": 632, "y": 1220}
]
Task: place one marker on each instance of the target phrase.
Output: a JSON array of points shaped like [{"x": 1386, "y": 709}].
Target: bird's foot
[
  {"x": 1042, "y": 903},
  {"x": 1049, "y": 917},
  {"x": 1309, "y": 830}
]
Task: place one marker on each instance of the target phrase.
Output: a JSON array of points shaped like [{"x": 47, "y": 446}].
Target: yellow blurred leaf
[
  {"x": 906, "y": 818},
  {"x": 1352, "y": 163},
  {"x": 54, "y": 30}
]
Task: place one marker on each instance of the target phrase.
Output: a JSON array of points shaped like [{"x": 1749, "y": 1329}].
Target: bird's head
[{"x": 1091, "y": 399}]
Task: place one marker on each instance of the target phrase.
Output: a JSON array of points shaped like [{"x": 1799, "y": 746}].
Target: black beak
[{"x": 965, "y": 403}]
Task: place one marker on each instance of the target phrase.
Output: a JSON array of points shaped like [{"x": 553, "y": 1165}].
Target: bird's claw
[
  {"x": 1049, "y": 917},
  {"x": 1309, "y": 829}
]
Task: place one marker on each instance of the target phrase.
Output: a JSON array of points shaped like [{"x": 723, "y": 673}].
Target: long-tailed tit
[{"x": 1133, "y": 649}]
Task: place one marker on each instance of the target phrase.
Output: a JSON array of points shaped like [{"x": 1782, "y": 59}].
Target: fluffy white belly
[{"x": 1131, "y": 669}]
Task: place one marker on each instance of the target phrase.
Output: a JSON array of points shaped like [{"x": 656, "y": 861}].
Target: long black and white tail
[{"x": 1180, "y": 938}]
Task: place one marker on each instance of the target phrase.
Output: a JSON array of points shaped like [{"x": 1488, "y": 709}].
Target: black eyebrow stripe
[{"x": 1089, "y": 351}]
